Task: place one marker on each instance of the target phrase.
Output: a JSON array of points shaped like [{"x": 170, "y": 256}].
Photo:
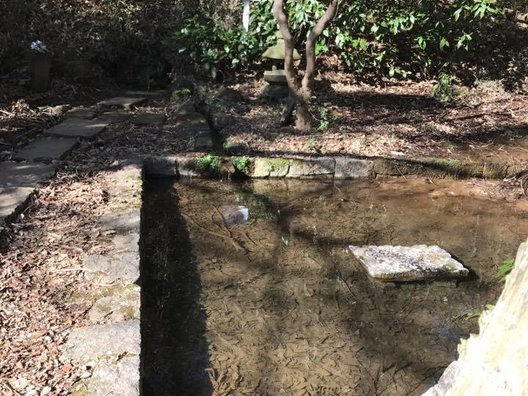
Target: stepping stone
[
  {"x": 73, "y": 127},
  {"x": 149, "y": 119},
  {"x": 46, "y": 149},
  {"x": 81, "y": 112},
  {"x": 15, "y": 174},
  {"x": 114, "y": 117},
  {"x": 145, "y": 93},
  {"x": 414, "y": 263},
  {"x": 126, "y": 102},
  {"x": 12, "y": 200}
]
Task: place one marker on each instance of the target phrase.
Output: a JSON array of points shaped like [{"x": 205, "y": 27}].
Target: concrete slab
[
  {"x": 74, "y": 127},
  {"x": 81, "y": 112},
  {"x": 46, "y": 149},
  {"x": 12, "y": 200},
  {"x": 114, "y": 117},
  {"x": 149, "y": 119},
  {"x": 119, "y": 377},
  {"x": 125, "y": 102},
  {"x": 17, "y": 174},
  {"x": 413, "y": 263}
]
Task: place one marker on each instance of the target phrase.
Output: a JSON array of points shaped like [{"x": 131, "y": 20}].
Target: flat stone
[
  {"x": 149, "y": 119},
  {"x": 126, "y": 221},
  {"x": 74, "y": 127},
  {"x": 116, "y": 378},
  {"x": 311, "y": 168},
  {"x": 12, "y": 200},
  {"x": 270, "y": 167},
  {"x": 126, "y": 102},
  {"x": 81, "y": 112},
  {"x": 161, "y": 166},
  {"x": 89, "y": 344},
  {"x": 114, "y": 117},
  {"x": 46, "y": 149},
  {"x": 17, "y": 174},
  {"x": 401, "y": 263},
  {"x": 352, "y": 168},
  {"x": 120, "y": 264},
  {"x": 117, "y": 307},
  {"x": 152, "y": 94}
]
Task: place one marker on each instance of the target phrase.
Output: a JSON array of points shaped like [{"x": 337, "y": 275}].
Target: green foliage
[
  {"x": 209, "y": 163},
  {"x": 444, "y": 89},
  {"x": 504, "y": 269},
  {"x": 325, "y": 117},
  {"x": 241, "y": 163}
]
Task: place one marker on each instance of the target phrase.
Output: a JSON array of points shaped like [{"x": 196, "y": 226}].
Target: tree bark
[{"x": 301, "y": 94}]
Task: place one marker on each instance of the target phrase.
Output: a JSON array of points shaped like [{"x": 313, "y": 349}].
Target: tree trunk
[{"x": 301, "y": 94}]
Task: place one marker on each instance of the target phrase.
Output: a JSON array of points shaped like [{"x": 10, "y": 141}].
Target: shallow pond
[{"x": 277, "y": 305}]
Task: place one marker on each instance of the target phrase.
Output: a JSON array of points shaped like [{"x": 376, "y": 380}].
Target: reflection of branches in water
[{"x": 230, "y": 238}]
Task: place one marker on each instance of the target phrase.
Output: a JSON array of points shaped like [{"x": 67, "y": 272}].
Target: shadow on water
[{"x": 174, "y": 348}]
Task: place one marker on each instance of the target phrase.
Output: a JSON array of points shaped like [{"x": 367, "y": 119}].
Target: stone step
[
  {"x": 12, "y": 201},
  {"x": 125, "y": 102},
  {"x": 21, "y": 174},
  {"x": 74, "y": 127},
  {"x": 149, "y": 119},
  {"x": 46, "y": 149}
]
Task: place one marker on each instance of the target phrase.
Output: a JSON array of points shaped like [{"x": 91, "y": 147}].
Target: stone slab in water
[
  {"x": 47, "y": 149},
  {"x": 149, "y": 119},
  {"x": 413, "y": 263},
  {"x": 13, "y": 199},
  {"x": 74, "y": 127},
  {"x": 126, "y": 102},
  {"x": 23, "y": 174}
]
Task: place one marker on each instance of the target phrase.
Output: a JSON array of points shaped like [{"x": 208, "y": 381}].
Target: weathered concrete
[
  {"x": 23, "y": 174},
  {"x": 12, "y": 201},
  {"x": 90, "y": 344},
  {"x": 495, "y": 362},
  {"x": 149, "y": 119},
  {"x": 125, "y": 221},
  {"x": 74, "y": 127},
  {"x": 117, "y": 306},
  {"x": 401, "y": 263},
  {"x": 352, "y": 168},
  {"x": 308, "y": 168},
  {"x": 125, "y": 102},
  {"x": 119, "y": 377},
  {"x": 47, "y": 149}
]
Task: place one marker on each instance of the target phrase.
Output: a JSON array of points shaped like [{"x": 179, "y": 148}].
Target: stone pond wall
[{"x": 496, "y": 361}]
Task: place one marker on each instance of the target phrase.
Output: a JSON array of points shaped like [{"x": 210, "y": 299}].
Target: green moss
[
  {"x": 241, "y": 163},
  {"x": 277, "y": 164},
  {"x": 209, "y": 163},
  {"x": 444, "y": 163}
]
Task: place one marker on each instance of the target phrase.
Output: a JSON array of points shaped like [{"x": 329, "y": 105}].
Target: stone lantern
[{"x": 277, "y": 87}]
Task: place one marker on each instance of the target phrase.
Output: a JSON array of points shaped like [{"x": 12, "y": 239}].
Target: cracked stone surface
[
  {"x": 76, "y": 127},
  {"x": 47, "y": 149},
  {"x": 23, "y": 174},
  {"x": 89, "y": 344},
  {"x": 116, "y": 378},
  {"x": 413, "y": 263}
]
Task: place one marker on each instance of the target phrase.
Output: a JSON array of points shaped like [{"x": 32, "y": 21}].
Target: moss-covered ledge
[{"x": 299, "y": 167}]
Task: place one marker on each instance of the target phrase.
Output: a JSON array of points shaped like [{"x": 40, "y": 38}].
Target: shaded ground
[
  {"x": 404, "y": 120},
  {"x": 283, "y": 307}
]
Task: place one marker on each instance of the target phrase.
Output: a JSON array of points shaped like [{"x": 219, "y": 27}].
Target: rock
[
  {"x": 161, "y": 166},
  {"x": 117, "y": 307},
  {"x": 495, "y": 361},
  {"x": 114, "y": 117},
  {"x": 90, "y": 344},
  {"x": 116, "y": 378},
  {"x": 351, "y": 168},
  {"x": 274, "y": 92},
  {"x": 400, "y": 263},
  {"x": 126, "y": 221},
  {"x": 149, "y": 119},
  {"x": 125, "y": 102},
  {"x": 13, "y": 201},
  {"x": 271, "y": 167},
  {"x": 187, "y": 167},
  {"x": 81, "y": 112},
  {"x": 114, "y": 267},
  {"x": 23, "y": 174},
  {"x": 74, "y": 127},
  {"x": 321, "y": 167},
  {"x": 47, "y": 149}
]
